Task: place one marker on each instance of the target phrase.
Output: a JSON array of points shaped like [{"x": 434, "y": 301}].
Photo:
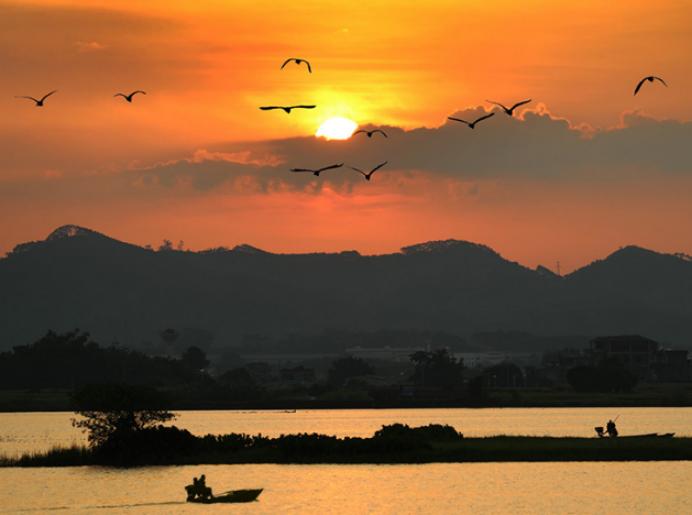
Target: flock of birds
[
  {"x": 317, "y": 171},
  {"x": 471, "y": 124}
]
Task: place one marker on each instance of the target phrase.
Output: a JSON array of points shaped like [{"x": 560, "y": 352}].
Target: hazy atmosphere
[
  {"x": 320, "y": 256},
  {"x": 586, "y": 168}
]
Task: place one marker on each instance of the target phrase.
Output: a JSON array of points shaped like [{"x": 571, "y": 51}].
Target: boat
[
  {"x": 603, "y": 434},
  {"x": 649, "y": 435},
  {"x": 230, "y": 497}
]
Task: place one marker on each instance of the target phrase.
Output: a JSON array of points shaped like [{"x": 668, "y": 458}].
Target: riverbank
[
  {"x": 396, "y": 444},
  {"x": 653, "y": 395}
]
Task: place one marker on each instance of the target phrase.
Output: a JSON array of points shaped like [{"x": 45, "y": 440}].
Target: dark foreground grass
[{"x": 490, "y": 449}]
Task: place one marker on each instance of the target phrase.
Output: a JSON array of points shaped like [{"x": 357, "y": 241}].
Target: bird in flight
[
  {"x": 509, "y": 111},
  {"x": 473, "y": 123},
  {"x": 129, "y": 97},
  {"x": 318, "y": 171},
  {"x": 39, "y": 103},
  {"x": 650, "y": 78},
  {"x": 370, "y": 133},
  {"x": 287, "y": 108},
  {"x": 298, "y": 61},
  {"x": 369, "y": 174}
]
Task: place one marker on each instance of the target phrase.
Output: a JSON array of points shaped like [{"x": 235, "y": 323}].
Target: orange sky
[{"x": 208, "y": 65}]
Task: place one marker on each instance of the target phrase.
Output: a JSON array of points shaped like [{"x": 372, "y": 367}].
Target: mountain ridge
[{"x": 122, "y": 292}]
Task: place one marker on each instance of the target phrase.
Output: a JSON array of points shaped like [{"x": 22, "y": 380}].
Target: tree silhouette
[
  {"x": 112, "y": 412},
  {"x": 437, "y": 368},
  {"x": 344, "y": 369},
  {"x": 195, "y": 358}
]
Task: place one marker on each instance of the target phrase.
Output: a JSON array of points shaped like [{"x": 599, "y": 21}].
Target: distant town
[{"x": 607, "y": 370}]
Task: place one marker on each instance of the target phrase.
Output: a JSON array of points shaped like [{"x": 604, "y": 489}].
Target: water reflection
[
  {"x": 27, "y": 432},
  {"x": 613, "y": 488}
]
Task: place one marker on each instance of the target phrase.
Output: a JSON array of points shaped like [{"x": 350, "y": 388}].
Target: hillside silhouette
[{"x": 122, "y": 292}]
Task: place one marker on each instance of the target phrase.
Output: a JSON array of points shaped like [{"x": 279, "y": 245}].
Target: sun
[{"x": 337, "y": 128}]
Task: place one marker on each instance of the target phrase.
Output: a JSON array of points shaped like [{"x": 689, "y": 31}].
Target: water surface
[
  {"x": 29, "y": 432},
  {"x": 516, "y": 488}
]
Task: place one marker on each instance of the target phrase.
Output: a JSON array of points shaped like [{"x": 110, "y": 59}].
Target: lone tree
[{"x": 115, "y": 412}]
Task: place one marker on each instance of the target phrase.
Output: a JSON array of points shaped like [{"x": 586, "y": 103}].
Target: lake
[
  {"x": 28, "y": 432},
  {"x": 577, "y": 487},
  {"x": 516, "y": 488}
]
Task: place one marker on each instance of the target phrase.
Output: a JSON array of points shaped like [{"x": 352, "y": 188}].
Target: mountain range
[{"x": 121, "y": 292}]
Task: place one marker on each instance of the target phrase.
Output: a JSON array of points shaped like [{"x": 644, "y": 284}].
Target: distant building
[
  {"x": 396, "y": 354},
  {"x": 643, "y": 357},
  {"x": 491, "y": 358},
  {"x": 672, "y": 366}
]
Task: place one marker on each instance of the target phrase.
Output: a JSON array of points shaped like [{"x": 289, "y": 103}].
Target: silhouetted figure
[
  {"x": 39, "y": 103},
  {"x": 298, "y": 61},
  {"x": 192, "y": 489},
  {"x": 204, "y": 490},
  {"x": 650, "y": 78},
  {"x": 287, "y": 109},
  {"x": 369, "y": 174},
  {"x": 370, "y": 133},
  {"x": 318, "y": 171},
  {"x": 129, "y": 97},
  {"x": 198, "y": 489},
  {"x": 509, "y": 111},
  {"x": 473, "y": 123},
  {"x": 611, "y": 429}
]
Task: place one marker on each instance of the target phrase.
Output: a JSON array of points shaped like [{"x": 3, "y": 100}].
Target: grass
[
  {"x": 56, "y": 457},
  {"x": 488, "y": 449}
]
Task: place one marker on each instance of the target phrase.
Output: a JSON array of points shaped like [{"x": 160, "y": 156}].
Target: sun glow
[{"x": 337, "y": 128}]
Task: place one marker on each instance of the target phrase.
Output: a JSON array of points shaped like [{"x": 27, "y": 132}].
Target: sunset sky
[{"x": 588, "y": 167}]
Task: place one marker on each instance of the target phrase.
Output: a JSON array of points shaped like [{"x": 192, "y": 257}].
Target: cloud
[
  {"x": 534, "y": 148},
  {"x": 537, "y": 146},
  {"x": 89, "y": 46}
]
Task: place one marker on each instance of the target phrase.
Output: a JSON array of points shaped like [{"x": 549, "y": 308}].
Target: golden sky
[{"x": 88, "y": 159}]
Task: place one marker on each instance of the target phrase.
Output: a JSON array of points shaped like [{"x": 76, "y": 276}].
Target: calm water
[
  {"x": 612, "y": 488},
  {"x": 23, "y": 432},
  {"x": 507, "y": 488}
]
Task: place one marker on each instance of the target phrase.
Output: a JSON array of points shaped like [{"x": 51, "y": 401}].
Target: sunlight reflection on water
[
  {"x": 26, "y": 432},
  {"x": 613, "y": 488}
]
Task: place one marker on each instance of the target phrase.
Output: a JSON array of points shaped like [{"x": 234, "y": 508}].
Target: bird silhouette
[
  {"x": 369, "y": 174},
  {"x": 298, "y": 61},
  {"x": 39, "y": 103},
  {"x": 473, "y": 123},
  {"x": 650, "y": 78},
  {"x": 287, "y": 109},
  {"x": 370, "y": 133},
  {"x": 318, "y": 171},
  {"x": 129, "y": 97},
  {"x": 509, "y": 111}
]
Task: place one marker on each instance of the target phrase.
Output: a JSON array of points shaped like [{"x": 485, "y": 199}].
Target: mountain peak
[
  {"x": 632, "y": 250},
  {"x": 244, "y": 248},
  {"x": 69, "y": 231},
  {"x": 442, "y": 246}
]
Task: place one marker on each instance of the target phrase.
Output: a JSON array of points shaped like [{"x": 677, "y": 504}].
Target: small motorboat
[{"x": 230, "y": 497}]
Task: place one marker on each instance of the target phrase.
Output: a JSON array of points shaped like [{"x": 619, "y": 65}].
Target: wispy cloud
[{"x": 89, "y": 46}]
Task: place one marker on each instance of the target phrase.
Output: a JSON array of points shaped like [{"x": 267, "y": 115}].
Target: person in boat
[
  {"x": 611, "y": 429},
  {"x": 204, "y": 491},
  {"x": 193, "y": 489}
]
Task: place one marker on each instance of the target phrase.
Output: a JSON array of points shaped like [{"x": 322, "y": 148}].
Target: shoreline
[
  {"x": 28, "y": 405},
  {"x": 320, "y": 449}
]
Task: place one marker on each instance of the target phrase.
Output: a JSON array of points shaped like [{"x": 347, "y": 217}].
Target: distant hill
[{"x": 122, "y": 292}]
